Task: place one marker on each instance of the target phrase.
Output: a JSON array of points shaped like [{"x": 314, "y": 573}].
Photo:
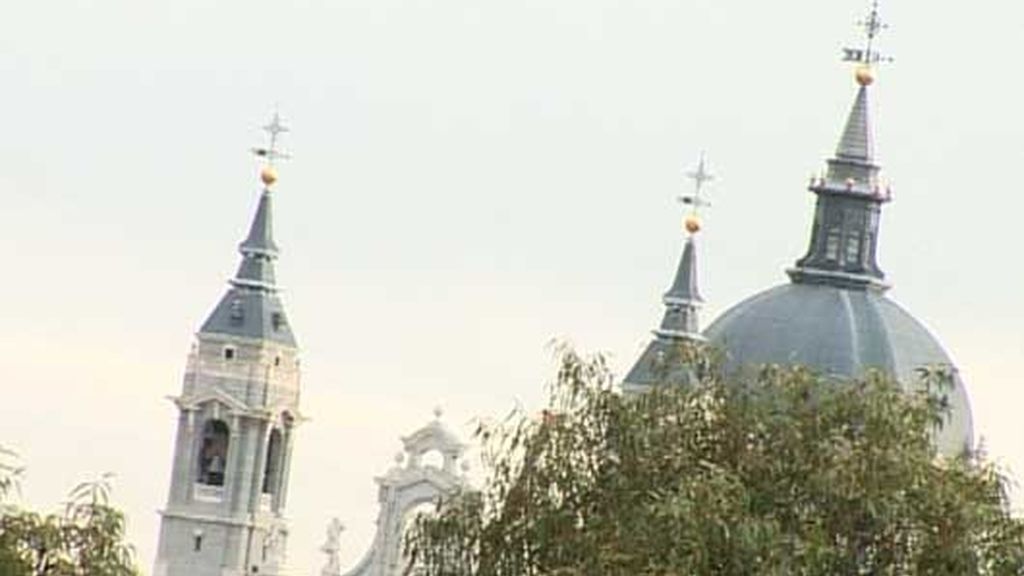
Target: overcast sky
[{"x": 471, "y": 178}]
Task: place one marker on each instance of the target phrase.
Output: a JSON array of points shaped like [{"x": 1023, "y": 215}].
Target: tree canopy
[
  {"x": 86, "y": 538},
  {"x": 777, "y": 471}
]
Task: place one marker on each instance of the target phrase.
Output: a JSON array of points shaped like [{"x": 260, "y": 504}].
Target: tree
[
  {"x": 781, "y": 471},
  {"x": 85, "y": 539}
]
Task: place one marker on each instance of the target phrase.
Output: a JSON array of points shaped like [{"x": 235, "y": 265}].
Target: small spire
[
  {"x": 857, "y": 141},
  {"x": 260, "y": 238},
  {"x": 683, "y": 299},
  {"x": 680, "y": 322},
  {"x": 684, "y": 290}
]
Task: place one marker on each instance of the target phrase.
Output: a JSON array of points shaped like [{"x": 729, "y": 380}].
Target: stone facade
[{"x": 237, "y": 415}]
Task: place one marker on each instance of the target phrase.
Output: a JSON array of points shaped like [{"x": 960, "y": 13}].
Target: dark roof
[
  {"x": 252, "y": 307},
  {"x": 857, "y": 142},
  {"x": 840, "y": 332},
  {"x": 684, "y": 287},
  {"x": 833, "y": 316},
  {"x": 658, "y": 363},
  {"x": 255, "y": 314}
]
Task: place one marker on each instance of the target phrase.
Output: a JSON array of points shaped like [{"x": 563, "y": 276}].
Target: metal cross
[
  {"x": 701, "y": 176},
  {"x": 872, "y": 26},
  {"x": 274, "y": 129}
]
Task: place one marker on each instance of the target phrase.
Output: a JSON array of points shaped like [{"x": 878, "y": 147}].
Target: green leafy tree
[
  {"x": 85, "y": 539},
  {"x": 776, "y": 472}
]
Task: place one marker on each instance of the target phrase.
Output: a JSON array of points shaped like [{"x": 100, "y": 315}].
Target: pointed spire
[
  {"x": 681, "y": 321},
  {"x": 258, "y": 251},
  {"x": 251, "y": 308},
  {"x": 683, "y": 300},
  {"x": 684, "y": 288},
  {"x": 857, "y": 142},
  {"x": 844, "y": 237},
  {"x": 261, "y": 232}
]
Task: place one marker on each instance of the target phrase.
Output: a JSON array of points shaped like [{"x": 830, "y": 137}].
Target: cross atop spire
[
  {"x": 868, "y": 56},
  {"x": 701, "y": 177},
  {"x": 271, "y": 153}
]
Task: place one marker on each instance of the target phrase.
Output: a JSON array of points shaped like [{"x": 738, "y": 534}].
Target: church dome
[
  {"x": 833, "y": 317},
  {"x": 840, "y": 332}
]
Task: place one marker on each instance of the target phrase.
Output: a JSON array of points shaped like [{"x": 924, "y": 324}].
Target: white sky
[{"x": 471, "y": 179}]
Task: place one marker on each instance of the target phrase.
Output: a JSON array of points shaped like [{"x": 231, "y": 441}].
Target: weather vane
[
  {"x": 271, "y": 153},
  {"x": 701, "y": 177},
  {"x": 868, "y": 56}
]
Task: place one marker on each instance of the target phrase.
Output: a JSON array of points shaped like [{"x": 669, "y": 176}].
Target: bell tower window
[
  {"x": 273, "y": 466},
  {"x": 213, "y": 453}
]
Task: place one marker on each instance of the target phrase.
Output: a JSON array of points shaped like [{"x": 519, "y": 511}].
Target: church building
[
  {"x": 239, "y": 405},
  {"x": 237, "y": 414},
  {"x": 833, "y": 314}
]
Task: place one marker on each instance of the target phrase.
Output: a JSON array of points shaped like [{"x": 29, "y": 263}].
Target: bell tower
[{"x": 237, "y": 415}]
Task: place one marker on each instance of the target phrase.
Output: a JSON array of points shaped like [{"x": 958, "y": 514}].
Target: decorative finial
[
  {"x": 867, "y": 57},
  {"x": 701, "y": 176},
  {"x": 268, "y": 174},
  {"x": 438, "y": 412}
]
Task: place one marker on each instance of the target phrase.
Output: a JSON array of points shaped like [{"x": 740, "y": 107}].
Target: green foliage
[
  {"x": 10, "y": 473},
  {"x": 781, "y": 472},
  {"x": 87, "y": 539}
]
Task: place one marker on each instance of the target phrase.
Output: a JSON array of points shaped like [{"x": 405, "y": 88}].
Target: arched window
[
  {"x": 213, "y": 453},
  {"x": 272, "y": 468}
]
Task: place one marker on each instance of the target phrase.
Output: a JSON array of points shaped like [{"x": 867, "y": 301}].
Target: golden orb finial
[
  {"x": 692, "y": 224},
  {"x": 865, "y": 75},
  {"x": 268, "y": 175}
]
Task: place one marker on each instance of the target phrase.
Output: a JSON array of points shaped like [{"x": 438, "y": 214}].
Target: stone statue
[{"x": 331, "y": 547}]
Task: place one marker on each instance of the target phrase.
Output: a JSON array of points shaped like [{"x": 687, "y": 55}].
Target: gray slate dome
[
  {"x": 841, "y": 332},
  {"x": 833, "y": 317}
]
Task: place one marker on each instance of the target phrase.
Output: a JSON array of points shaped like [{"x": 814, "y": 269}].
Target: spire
[
  {"x": 258, "y": 251},
  {"x": 261, "y": 232},
  {"x": 684, "y": 288},
  {"x": 252, "y": 308},
  {"x": 680, "y": 322},
  {"x": 683, "y": 299},
  {"x": 844, "y": 236},
  {"x": 857, "y": 143}
]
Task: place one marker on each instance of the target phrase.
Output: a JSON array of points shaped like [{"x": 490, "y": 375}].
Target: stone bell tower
[{"x": 237, "y": 414}]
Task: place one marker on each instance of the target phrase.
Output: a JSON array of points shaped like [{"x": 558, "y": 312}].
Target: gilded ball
[
  {"x": 268, "y": 175},
  {"x": 865, "y": 75},
  {"x": 692, "y": 224}
]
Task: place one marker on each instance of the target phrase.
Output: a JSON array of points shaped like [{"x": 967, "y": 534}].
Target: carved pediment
[{"x": 214, "y": 395}]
